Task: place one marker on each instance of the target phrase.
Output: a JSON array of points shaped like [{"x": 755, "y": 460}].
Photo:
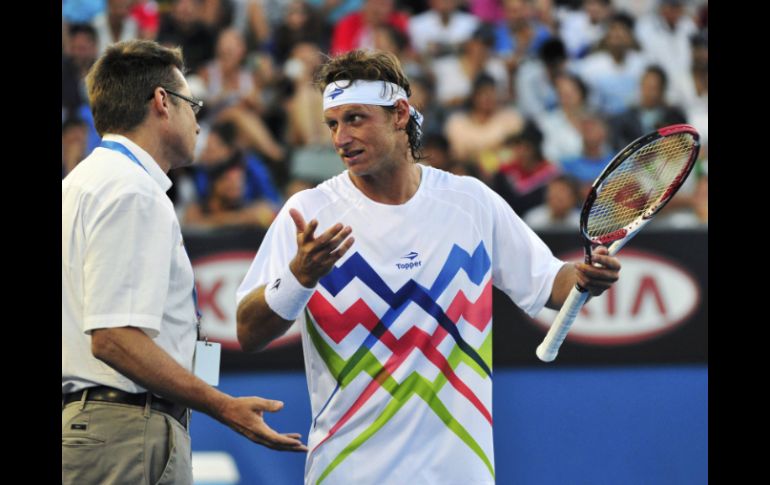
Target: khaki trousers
[{"x": 111, "y": 443}]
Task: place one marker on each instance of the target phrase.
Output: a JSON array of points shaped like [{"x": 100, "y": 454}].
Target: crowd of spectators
[{"x": 533, "y": 97}]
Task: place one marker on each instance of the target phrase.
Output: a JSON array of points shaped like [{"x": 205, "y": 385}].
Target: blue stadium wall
[
  {"x": 614, "y": 408},
  {"x": 628, "y": 425}
]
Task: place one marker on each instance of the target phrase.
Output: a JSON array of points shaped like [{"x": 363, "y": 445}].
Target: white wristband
[{"x": 286, "y": 296}]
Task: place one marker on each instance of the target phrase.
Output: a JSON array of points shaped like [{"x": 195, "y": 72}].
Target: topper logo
[
  {"x": 412, "y": 263},
  {"x": 336, "y": 93},
  {"x": 652, "y": 297}
]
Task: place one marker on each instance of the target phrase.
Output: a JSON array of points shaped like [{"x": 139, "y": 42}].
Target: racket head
[{"x": 637, "y": 183}]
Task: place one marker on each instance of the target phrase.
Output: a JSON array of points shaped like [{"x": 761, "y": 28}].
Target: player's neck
[{"x": 393, "y": 187}]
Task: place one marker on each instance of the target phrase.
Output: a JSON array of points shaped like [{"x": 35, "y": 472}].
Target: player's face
[{"x": 365, "y": 137}]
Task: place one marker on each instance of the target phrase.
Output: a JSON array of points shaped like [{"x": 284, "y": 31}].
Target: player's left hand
[{"x": 601, "y": 275}]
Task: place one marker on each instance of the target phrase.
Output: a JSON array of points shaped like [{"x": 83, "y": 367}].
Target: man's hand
[
  {"x": 597, "y": 279},
  {"x": 316, "y": 255},
  {"x": 246, "y": 416}
]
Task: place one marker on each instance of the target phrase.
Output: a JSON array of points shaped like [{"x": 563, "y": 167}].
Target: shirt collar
[{"x": 149, "y": 163}]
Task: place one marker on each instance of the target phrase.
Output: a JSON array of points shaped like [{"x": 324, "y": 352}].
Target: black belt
[{"x": 109, "y": 394}]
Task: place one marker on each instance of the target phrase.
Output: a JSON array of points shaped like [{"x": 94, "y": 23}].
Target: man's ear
[
  {"x": 160, "y": 101},
  {"x": 402, "y": 114}
]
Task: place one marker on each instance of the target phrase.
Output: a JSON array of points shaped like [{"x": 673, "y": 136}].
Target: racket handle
[{"x": 548, "y": 349}]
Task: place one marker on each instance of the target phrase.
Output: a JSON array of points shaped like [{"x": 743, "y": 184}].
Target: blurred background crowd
[{"x": 533, "y": 97}]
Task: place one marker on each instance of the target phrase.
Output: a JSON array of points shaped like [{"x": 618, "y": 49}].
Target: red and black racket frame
[{"x": 633, "y": 147}]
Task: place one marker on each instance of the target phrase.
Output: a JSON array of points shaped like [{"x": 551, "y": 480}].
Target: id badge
[{"x": 206, "y": 362}]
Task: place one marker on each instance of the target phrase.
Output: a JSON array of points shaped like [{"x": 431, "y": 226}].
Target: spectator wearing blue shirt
[
  {"x": 519, "y": 36},
  {"x": 596, "y": 152},
  {"x": 221, "y": 148}
]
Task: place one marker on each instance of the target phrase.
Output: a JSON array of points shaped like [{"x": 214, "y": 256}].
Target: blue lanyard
[
  {"x": 198, "y": 314},
  {"x": 195, "y": 301},
  {"x": 113, "y": 145}
]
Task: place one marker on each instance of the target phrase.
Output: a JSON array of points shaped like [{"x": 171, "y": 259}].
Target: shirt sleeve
[
  {"x": 523, "y": 266},
  {"x": 275, "y": 252},
  {"x": 127, "y": 264}
]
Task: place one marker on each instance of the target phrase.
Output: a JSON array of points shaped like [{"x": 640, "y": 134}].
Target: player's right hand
[{"x": 316, "y": 255}]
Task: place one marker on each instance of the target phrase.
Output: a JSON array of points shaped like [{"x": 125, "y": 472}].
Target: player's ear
[{"x": 402, "y": 114}]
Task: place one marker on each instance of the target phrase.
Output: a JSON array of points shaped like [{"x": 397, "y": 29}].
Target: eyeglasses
[{"x": 195, "y": 104}]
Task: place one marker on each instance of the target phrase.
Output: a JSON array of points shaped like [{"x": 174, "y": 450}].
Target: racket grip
[{"x": 548, "y": 349}]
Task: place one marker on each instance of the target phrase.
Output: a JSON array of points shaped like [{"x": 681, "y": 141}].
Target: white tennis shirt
[
  {"x": 397, "y": 339},
  {"x": 123, "y": 263}
]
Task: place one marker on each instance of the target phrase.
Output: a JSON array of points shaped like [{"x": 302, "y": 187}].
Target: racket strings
[{"x": 640, "y": 183}]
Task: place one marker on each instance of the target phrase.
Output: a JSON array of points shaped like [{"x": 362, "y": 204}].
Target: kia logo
[
  {"x": 653, "y": 296},
  {"x": 217, "y": 278}
]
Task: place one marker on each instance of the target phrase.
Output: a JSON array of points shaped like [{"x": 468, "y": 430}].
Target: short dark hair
[
  {"x": 227, "y": 131},
  {"x": 571, "y": 182},
  {"x": 372, "y": 65},
  {"x": 436, "y": 140},
  {"x": 553, "y": 51},
  {"x": 623, "y": 18},
  {"x": 484, "y": 33},
  {"x": 658, "y": 71},
  {"x": 122, "y": 79},
  {"x": 582, "y": 86},
  {"x": 399, "y": 38},
  {"x": 73, "y": 121},
  {"x": 87, "y": 29},
  {"x": 531, "y": 135},
  {"x": 483, "y": 80}
]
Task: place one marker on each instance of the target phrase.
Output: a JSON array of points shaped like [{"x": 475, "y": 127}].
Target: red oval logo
[
  {"x": 652, "y": 297},
  {"x": 217, "y": 278}
]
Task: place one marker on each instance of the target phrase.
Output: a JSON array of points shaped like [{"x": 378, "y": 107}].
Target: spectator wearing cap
[{"x": 522, "y": 179}]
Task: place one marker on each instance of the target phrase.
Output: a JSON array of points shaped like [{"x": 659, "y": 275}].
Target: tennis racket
[{"x": 634, "y": 186}]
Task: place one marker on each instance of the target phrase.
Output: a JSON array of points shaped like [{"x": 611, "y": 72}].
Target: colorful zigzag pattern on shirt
[{"x": 323, "y": 316}]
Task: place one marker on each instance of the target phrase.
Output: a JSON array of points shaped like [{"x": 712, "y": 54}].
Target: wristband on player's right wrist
[{"x": 286, "y": 296}]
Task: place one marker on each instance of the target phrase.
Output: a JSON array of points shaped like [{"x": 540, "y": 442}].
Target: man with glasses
[
  {"x": 129, "y": 311},
  {"x": 195, "y": 104}
]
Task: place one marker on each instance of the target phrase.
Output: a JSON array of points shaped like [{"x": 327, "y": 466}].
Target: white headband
[{"x": 378, "y": 93}]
